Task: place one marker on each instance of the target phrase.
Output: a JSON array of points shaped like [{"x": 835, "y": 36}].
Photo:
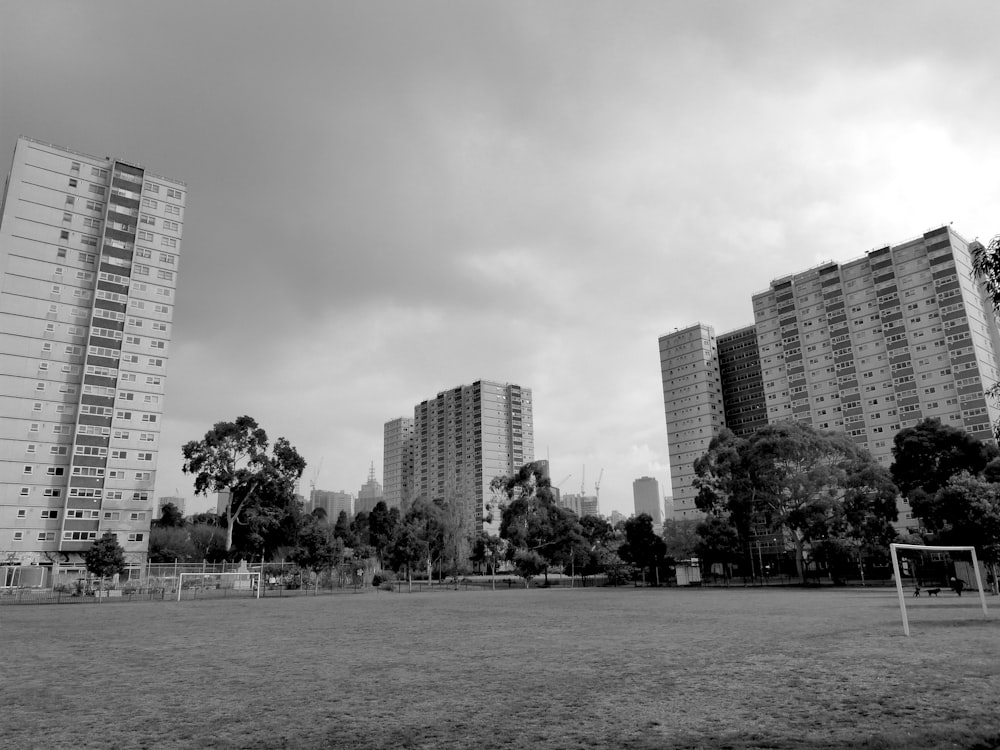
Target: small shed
[{"x": 688, "y": 572}]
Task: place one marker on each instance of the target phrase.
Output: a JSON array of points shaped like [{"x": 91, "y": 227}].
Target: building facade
[
  {"x": 467, "y": 436},
  {"x": 89, "y": 252},
  {"x": 646, "y": 498},
  {"x": 692, "y": 400},
  {"x": 867, "y": 347},
  {"x": 397, "y": 461},
  {"x": 370, "y": 493},
  {"x": 332, "y": 502}
]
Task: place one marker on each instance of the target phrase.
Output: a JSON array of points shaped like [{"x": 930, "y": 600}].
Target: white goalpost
[
  {"x": 893, "y": 548},
  {"x": 243, "y": 582}
]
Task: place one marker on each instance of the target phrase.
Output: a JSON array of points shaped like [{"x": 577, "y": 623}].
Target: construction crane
[
  {"x": 564, "y": 480},
  {"x": 597, "y": 488},
  {"x": 315, "y": 476}
]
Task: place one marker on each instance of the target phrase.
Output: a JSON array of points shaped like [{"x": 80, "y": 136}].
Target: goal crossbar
[{"x": 893, "y": 548}]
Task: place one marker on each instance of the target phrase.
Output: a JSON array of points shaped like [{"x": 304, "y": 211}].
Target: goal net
[
  {"x": 215, "y": 585},
  {"x": 929, "y": 571}
]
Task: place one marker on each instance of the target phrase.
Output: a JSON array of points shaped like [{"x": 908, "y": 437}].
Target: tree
[
  {"x": 105, "y": 557},
  {"x": 681, "y": 538},
  {"x": 170, "y": 517},
  {"x": 787, "y": 478},
  {"x": 489, "y": 549},
  {"x": 382, "y": 523},
  {"x": 642, "y": 547},
  {"x": 528, "y": 564},
  {"x": 719, "y": 543},
  {"x": 169, "y": 543},
  {"x": 318, "y": 549},
  {"x": 928, "y": 454},
  {"x": 342, "y": 529},
  {"x": 234, "y": 457},
  {"x": 966, "y": 511},
  {"x": 208, "y": 542}
]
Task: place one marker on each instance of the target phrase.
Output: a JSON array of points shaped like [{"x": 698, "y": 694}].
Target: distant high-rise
[
  {"x": 646, "y": 496},
  {"x": 867, "y": 348},
  {"x": 370, "y": 493},
  {"x": 397, "y": 462},
  {"x": 178, "y": 502},
  {"x": 332, "y": 502},
  {"x": 89, "y": 251},
  {"x": 466, "y": 436}
]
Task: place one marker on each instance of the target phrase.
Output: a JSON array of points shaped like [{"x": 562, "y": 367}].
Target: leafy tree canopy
[
  {"x": 928, "y": 454},
  {"x": 789, "y": 478},
  {"x": 234, "y": 457},
  {"x": 105, "y": 556}
]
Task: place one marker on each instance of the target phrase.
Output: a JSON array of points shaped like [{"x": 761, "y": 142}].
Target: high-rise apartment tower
[
  {"x": 867, "y": 347},
  {"x": 466, "y": 436},
  {"x": 89, "y": 251},
  {"x": 397, "y": 461}
]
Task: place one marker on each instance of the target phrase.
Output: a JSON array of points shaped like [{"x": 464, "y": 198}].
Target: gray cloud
[{"x": 388, "y": 199}]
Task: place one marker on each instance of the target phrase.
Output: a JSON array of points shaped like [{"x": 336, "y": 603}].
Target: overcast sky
[{"x": 390, "y": 199}]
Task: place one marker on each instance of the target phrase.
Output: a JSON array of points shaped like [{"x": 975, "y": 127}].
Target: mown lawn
[{"x": 641, "y": 669}]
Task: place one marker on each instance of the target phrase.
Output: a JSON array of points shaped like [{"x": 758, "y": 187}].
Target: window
[
  {"x": 59, "y": 450},
  {"x": 145, "y": 456},
  {"x": 72, "y": 182},
  {"x": 175, "y": 194},
  {"x": 149, "y": 418},
  {"x": 150, "y": 203},
  {"x": 18, "y": 536},
  {"x": 119, "y": 455},
  {"x": 146, "y": 437},
  {"x": 135, "y": 537},
  {"x": 50, "y": 514},
  {"x": 158, "y": 344},
  {"x": 46, "y": 536},
  {"x": 151, "y": 187},
  {"x": 168, "y": 241},
  {"x": 143, "y": 476},
  {"x": 147, "y": 219},
  {"x": 25, "y": 491}
]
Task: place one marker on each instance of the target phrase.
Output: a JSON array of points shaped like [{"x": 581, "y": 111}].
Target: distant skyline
[{"x": 386, "y": 199}]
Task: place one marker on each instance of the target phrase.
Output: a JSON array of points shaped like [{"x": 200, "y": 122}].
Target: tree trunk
[{"x": 800, "y": 559}]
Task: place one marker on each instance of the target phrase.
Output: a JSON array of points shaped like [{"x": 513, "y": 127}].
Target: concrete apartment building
[
  {"x": 646, "y": 499},
  {"x": 332, "y": 502},
  {"x": 89, "y": 252},
  {"x": 867, "y": 347},
  {"x": 397, "y": 461},
  {"x": 466, "y": 436}
]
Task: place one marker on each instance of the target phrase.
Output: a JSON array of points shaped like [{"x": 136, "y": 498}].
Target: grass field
[{"x": 641, "y": 669}]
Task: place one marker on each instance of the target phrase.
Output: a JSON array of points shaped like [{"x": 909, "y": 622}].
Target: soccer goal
[
  {"x": 899, "y": 569},
  {"x": 205, "y": 585}
]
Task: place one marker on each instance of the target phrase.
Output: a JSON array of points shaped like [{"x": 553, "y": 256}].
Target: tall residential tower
[
  {"x": 89, "y": 251},
  {"x": 867, "y": 347},
  {"x": 466, "y": 436},
  {"x": 397, "y": 461}
]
